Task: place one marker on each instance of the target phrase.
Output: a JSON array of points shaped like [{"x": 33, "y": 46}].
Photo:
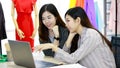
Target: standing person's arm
[
  {"x": 36, "y": 21},
  {"x": 20, "y": 33}
]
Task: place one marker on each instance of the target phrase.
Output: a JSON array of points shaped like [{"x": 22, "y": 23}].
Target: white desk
[{"x": 12, "y": 65}]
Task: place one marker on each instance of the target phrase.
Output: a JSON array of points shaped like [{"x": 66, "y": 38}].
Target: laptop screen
[{"x": 22, "y": 55}]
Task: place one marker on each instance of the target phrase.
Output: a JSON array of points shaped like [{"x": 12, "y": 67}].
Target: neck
[{"x": 80, "y": 28}]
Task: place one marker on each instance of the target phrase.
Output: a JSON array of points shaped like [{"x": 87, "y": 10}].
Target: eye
[
  {"x": 67, "y": 21},
  {"x": 49, "y": 17}
]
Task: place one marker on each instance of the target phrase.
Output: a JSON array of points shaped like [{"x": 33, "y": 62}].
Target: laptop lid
[{"x": 22, "y": 53}]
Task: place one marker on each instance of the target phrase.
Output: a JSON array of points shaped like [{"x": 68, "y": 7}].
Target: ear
[{"x": 78, "y": 20}]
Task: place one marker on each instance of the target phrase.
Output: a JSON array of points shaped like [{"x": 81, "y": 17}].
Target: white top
[{"x": 92, "y": 52}]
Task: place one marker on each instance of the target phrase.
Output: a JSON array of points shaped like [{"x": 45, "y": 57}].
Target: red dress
[{"x": 24, "y": 9}]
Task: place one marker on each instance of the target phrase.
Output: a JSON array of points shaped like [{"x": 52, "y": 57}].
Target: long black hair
[
  {"x": 43, "y": 30},
  {"x": 79, "y": 12}
]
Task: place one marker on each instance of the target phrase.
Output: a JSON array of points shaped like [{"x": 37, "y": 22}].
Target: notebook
[{"x": 22, "y": 55}]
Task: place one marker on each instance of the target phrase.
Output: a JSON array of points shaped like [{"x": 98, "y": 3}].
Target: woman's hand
[
  {"x": 56, "y": 31},
  {"x": 72, "y": 34},
  {"x": 20, "y": 33},
  {"x": 70, "y": 38},
  {"x": 45, "y": 46}
]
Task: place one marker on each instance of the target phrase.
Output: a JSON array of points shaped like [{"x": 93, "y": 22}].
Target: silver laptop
[{"x": 22, "y": 55}]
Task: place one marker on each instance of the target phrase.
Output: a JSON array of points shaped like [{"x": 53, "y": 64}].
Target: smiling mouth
[{"x": 48, "y": 25}]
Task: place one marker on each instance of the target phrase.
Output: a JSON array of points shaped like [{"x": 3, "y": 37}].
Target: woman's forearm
[
  {"x": 56, "y": 42},
  {"x": 69, "y": 40}
]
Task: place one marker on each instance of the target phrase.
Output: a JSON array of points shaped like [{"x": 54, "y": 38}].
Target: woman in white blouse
[{"x": 85, "y": 44}]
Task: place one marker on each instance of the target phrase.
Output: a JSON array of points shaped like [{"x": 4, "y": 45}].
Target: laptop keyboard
[{"x": 44, "y": 64}]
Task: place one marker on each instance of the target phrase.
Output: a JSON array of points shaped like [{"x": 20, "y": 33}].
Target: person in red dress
[{"x": 25, "y": 30}]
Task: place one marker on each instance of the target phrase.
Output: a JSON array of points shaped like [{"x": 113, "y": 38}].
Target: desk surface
[{"x": 11, "y": 64}]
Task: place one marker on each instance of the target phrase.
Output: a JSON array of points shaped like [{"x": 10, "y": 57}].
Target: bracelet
[{"x": 57, "y": 38}]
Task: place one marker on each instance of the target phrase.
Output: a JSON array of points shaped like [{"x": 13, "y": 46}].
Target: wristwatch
[{"x": 57, "y": 38}]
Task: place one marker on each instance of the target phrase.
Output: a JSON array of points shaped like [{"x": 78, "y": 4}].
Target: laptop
[{"x": 22, "y": 55}]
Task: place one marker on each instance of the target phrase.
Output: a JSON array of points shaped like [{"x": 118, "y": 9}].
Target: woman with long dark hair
[
  {"x": 85, "y": 45},
  {"x": 52, "y": 29}
]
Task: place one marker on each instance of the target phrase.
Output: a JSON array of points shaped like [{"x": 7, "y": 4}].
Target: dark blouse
[{"x": 63, "y": 37}]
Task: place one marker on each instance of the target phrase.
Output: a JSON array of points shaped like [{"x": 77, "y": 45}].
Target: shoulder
[
  {"x": 1, "y": 10},
  {"x": 89, "y": 30},
  {"x": 61, "y": 28},
  {"x": 33, "y": 2},
  {"x": 0, "y": 4},
  {"x": 63, "y": 31},
  {"x": 91, "y": 35},
  {"x": 14, "y": 1},
  {"x": 92, "y": 32}
]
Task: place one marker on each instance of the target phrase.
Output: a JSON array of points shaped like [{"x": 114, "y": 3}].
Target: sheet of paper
[{"x": 69, "y": 66}]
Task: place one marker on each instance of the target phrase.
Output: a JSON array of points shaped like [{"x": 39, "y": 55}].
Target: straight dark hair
[
  {"x": 43, "y": 30},
  {"x": 85, "y": 22}
]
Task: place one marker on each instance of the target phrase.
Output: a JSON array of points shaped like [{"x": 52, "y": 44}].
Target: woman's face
[
  {"x": 48, "y": 19},
  {"x": 71, "y": 24}
]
